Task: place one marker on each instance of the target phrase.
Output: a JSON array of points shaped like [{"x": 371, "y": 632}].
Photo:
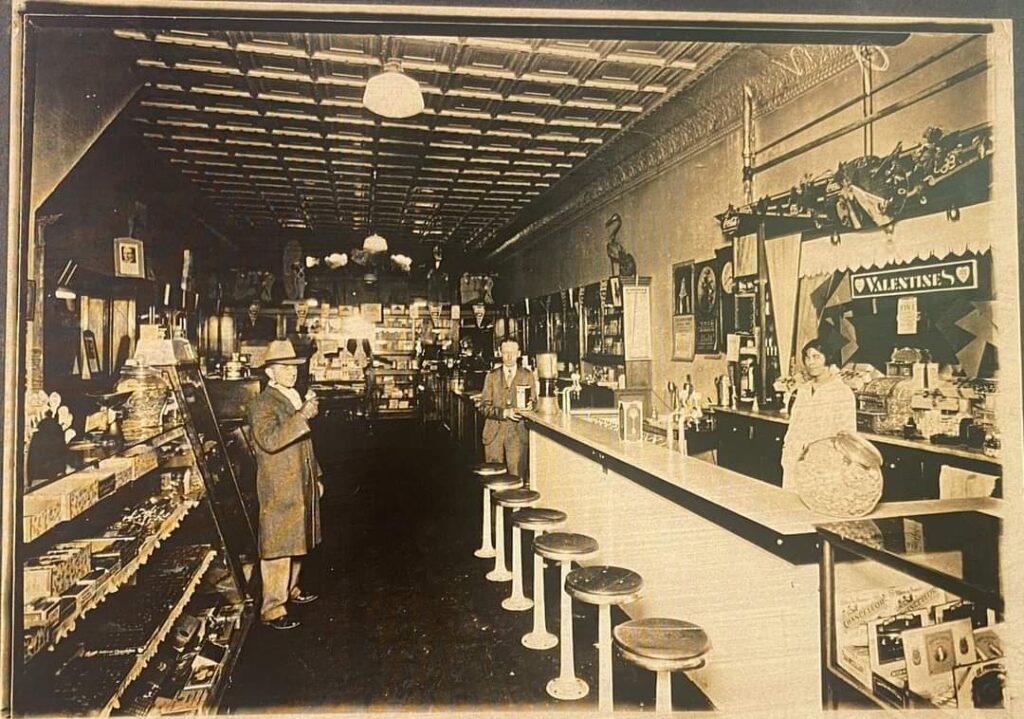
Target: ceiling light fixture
[
  {"x": 392, "y": 93},
  {"x": 375, "y": 243}
]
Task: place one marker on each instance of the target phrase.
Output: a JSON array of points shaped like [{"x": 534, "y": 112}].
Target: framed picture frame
[
  {"x": 129, "y": 260},
  {"x": 684, "y": 338},
  {"x": 682, "y": 289},
  {"x": 92, "y": 355},
  {"x": 707, "y": 307}
]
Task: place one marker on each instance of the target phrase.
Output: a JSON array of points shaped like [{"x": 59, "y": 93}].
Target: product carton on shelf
[
  {"x": 145, "y": 458},
  {"x": 41, "y": 613},
  {"x": 122, "y": 467},
  {"x": 45, "y": 511},
  {"x": 75, "y": 494},
  {"x": 103, "y": 479}
]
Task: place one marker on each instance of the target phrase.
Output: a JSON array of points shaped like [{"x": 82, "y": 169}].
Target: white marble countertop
[{"x": 771, "y": 507}]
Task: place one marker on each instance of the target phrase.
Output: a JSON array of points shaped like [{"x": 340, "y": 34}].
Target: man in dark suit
[
  {"x": 505, "y": 436},
  {"x": 287, "y": 483}
]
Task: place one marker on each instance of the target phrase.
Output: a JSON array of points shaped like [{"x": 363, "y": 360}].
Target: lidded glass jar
[{"x": 144, "y": 409}]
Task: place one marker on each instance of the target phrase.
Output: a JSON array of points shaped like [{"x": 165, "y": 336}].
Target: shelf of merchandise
[
  {"x": 158, "y": 636},
  {"x": 883, "y": 543},
  {"x": 121, "y": 577},
  {"x": 157, "y": 440}
]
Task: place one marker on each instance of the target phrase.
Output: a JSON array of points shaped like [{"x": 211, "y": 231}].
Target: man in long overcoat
[
  {"x": 504, "y": 435},
  {"x": 287, "y": 483}
]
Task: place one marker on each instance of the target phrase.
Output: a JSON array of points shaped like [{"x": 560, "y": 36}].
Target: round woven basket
[{"x": 840, "y": 476}]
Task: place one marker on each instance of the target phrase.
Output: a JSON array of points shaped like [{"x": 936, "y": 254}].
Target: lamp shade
[
  {"x": 375, "y": 243},
  {"x": 393, "y": 94}
]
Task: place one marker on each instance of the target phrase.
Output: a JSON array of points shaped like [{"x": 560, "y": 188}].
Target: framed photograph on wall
[
  {"x": 682, "y": 289},
  {"x": 128, "y": 258},
  {"x": 683, "y": 338}
]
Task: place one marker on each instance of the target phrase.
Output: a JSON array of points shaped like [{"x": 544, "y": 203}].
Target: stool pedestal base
[
  {"x": 566, "y": 685},
  {"x": 486, "y": 550},
  {"x": 663, "y": 693},
  {"x": 568, "y": 688},
  {"x": 539, "y": 640},
  {"x": 517, "y": 601},
  {"x": 500, "y": 572}
]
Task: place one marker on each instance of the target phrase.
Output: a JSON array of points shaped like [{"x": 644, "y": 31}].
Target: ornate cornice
[{"x": 776, "y": 74}]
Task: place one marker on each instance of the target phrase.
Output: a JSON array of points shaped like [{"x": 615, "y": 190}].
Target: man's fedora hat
[{"x": 281, "y": 352}]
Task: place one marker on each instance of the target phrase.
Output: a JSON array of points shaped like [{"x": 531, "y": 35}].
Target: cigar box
[
  {"x": 125, "y": 548},
  {"x": 41, "y": 613},
  {"x": 78, "y": 556},
  {"x": 82, "y": 595},
  {"x": 33, "y": 527},
  {"x": 75, "y": 494},
  {"x": 67, "y": 608},
  {"x": 893, "y": 692},
  {"x": 855, "y": 660},
  {"x": 145, "y": 459},
  {"x": 42, "y": 580},
  {"x": 981, "y": 685},
  {"x": 35, "y": 639},
  {"x": 103, "y": 479},
  {"x": 45, "y": 509},
  {"x": 122, "y": 467},
  {"x": 933, "y": 652},
  {"x": 108, "y": 563}
]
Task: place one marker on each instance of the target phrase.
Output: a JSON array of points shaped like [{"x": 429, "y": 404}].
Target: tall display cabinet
[{"x": 130, "y": 587}]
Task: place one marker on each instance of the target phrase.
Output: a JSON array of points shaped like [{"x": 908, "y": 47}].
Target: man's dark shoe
[
  {"x": 303, "y": 598},
  {"x": 284, "y": 622}
]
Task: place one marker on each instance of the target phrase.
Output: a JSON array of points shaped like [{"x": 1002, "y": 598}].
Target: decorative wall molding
[{"x": 776, "y": 74}]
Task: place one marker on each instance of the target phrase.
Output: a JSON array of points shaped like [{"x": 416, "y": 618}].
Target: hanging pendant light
[
  {"x": 392, "y": 93},
  {"x": 374, "y": 243}
]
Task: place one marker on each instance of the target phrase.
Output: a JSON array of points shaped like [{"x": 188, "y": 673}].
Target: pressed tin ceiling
[{"x": 272, "y": 128}]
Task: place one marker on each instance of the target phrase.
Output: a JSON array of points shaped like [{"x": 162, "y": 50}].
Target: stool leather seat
[
  {"x": 502, "y": 481},
  {"x": 565, "y": 546},
  {"x": 538, "y": 518},
  {"x": 518, "y": 497},
  {"x": 662, "y": 639},
  {"x": 603, "y": 584},
  {"x": 489, "y": 469}
]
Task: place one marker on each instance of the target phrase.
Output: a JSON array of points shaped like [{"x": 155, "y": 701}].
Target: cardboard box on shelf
[{"x": 46, "y": 507}]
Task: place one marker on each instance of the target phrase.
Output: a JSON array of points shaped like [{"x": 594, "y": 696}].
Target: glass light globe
[{"x": 393, "y": 94}]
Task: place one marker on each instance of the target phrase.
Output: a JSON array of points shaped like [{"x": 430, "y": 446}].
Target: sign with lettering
[{"x": 935, "y": 277}]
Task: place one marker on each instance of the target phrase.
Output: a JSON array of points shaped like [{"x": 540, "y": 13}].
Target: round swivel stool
[
  {"x": 487, "y": 469},
  {"x": 604, "y": 586},
  {"x": 495, "y": 484},
  {"x": 515, "y": 499},
  {"x": 564, "y": 548},
  {"x": 538, "y": 520},
  {"x": 663, "y": 646}
]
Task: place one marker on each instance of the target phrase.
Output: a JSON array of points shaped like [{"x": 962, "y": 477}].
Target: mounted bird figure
[{"x": 623, "y": 264}]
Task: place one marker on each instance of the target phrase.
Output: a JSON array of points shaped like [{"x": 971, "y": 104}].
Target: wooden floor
[{"x": 406, "y": 619}]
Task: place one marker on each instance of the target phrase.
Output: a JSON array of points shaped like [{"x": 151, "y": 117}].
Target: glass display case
[
  {"x": 132, "y": 594},
  {"x": 911, "y": 612}
]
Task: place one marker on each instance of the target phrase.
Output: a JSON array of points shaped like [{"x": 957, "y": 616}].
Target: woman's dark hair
[{"x": 816, "y": 344}]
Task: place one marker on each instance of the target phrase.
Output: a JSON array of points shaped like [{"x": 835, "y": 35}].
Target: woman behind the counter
[{"x": 823, "y": 407}]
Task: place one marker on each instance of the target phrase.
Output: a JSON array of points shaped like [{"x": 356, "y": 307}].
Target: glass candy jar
[{"x": 144, "y": 409}]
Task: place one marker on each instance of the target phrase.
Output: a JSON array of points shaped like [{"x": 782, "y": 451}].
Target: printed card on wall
[{"x": 707, "y": 308}]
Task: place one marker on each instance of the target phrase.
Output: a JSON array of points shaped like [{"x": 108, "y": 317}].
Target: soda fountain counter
[{"x": 733, "y": 554}]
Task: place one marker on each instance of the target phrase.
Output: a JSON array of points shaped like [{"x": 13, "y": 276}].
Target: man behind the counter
[
  {"x": 504, "y": 435},
  {"x": 287, "y": 483}
]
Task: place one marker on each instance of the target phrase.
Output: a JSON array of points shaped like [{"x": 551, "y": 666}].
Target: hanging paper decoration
[{"x": 979, "y": 324}]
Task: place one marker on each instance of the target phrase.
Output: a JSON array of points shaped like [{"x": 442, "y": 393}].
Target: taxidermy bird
[{"x": 623, "y": 263}]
